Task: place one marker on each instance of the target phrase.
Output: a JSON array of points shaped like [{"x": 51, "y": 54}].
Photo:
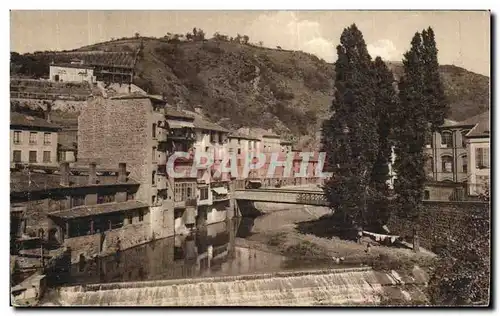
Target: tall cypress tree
[
  {"x": 410, "y": 131},
  {"x": 435, "y": 99},
  {"x": 350, "y": 136},
  {"x": 386, "y": 102}
]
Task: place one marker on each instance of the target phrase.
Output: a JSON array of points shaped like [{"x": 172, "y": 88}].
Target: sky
[{"x": 463, "y": 37}]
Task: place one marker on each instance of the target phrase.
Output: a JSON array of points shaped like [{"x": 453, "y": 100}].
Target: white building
[
  {"x": 478, "y": 148},
  {"x": 73, "y": 72}
]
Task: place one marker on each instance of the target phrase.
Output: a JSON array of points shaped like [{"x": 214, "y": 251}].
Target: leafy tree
[
  {"x": 386, "y": 103},
  {"x": 245, "y": 39},
  {"x": 350, "y": 136},
  {"x": 462, "y": 276},
  {"x": 137, "y": 35}
]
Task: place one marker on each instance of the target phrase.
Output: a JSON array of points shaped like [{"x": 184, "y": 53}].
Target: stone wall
[
  {"x": 37, "y": 210},
  {"x": 439, "y": 220},
  {"x": 114, "y": 131},
  {"x": 126, "y": 237}
]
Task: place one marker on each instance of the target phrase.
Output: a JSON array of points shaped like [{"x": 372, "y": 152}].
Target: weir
[{"x": 352, "y": 286}]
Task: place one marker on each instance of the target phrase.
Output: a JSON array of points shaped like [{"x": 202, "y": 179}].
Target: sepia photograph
[{"x": 247, "y": 158}]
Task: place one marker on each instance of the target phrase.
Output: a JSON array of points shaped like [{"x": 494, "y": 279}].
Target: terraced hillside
[{"x": 241, "y": 84}]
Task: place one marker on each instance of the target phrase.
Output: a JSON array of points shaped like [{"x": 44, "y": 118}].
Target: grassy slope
[{"x": 241, "y": 85}]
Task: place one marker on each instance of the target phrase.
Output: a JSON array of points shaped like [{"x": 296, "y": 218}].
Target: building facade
[
  {"x": 91, "y": 210},
  {"x": 33, "y": 140},
  {"x": 72, "y": 72},
  {"x": 478, "y": 149}
]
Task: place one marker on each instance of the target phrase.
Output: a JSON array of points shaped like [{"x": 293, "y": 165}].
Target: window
[
  {"x": 239, "y": 141},
  {"x": 32, "y": 157},
  {"x": 153, "y": 158},
  {"x": 46, "y": 138},
  {"x": 427, "y": 195},
  {"x": 77, "y": 200},
  {"x": 154, "y": 130},
  {"x": 482, "y": 158},
  {"x": 153, "y": 174},
  {"x": 62, "y": 156},
  {"x": 464, "y": 164},
  {"x": 447, "y": 164},
  {"x": 17, "y": 137},
  {"x": 33, "y": 137},
  {"x": 105, "y": 198},
  {"x": 141, "y": 215},
  {"x": 188, "y": 192},
  {"x": 130, "y": 196},
  {"x": 153, "y": 200},
  {"x": 447, "y": 139},
  {"x": 230, "y": 150},
  {"x": 46, "y": 156},
  {"x": 204, "y": 193},
  {"x": 17, "y": 156},
  {"x": 130, "y": 218},
  {"x": 239, "y": 151}
]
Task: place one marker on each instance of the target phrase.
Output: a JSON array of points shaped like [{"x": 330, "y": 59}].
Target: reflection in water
[{"x": 210, "y": 251}]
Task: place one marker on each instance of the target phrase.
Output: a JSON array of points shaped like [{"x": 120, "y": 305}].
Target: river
[{"x": 207, "y": 252}]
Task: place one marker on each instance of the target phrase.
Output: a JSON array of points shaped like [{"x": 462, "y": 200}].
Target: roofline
[
  {"x": 124, "y": 184},
  {"x": 30, "y": 127}
]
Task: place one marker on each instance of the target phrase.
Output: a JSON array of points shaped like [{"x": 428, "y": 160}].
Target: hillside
[{"x": 245, "y": 85}]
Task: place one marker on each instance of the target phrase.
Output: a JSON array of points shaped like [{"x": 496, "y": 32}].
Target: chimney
[
  {"x": 92, "y": 173},
  {"x": 64, "y": 169},
  {"x": 198, "y": 110},
  {"x": 47, "y": 112},
  {"x": 122, "y": 172}
]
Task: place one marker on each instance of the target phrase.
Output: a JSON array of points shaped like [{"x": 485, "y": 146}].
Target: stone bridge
[{"x": 287, "y": 196}]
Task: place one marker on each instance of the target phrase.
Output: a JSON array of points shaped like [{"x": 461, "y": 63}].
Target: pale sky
[{"x": 463, "y": 37}]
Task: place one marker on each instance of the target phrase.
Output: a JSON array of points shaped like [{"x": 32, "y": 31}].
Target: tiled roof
[
  {"x": 482, "y": 129},
  {"x": 98, "y": 58},
  {"x": 178, "y": 113},
  {"x": 89, "y": 210},
  {"x": 202, "y": 123},
  {"x": 23, "y": 182},
  {"x": 243, "y": 136},
  {"x": 77, "y": 66},
  {"x": 20, "y": 119},
  {"x": 485, "y": 116}
]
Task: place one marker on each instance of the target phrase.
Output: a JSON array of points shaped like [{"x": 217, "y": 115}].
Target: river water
[{"x": 210, "y": 251}]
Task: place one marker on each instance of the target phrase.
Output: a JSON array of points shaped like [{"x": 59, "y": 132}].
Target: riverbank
[{"x": 282, "y": 231}]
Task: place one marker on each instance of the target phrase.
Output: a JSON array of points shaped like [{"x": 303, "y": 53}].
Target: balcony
[
  {"x": 185, "y": 203},
  {"x": 161, "y": 158},
  {"x": 161, "y": 182},
  {"x": 161, "y": 134},
  {"x": 182, "y": 134}
]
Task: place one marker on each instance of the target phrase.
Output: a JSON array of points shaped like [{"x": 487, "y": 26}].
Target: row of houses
[{"x": 118, "y": 194}]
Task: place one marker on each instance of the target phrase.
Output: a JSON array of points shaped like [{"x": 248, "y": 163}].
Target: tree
[
  {"x": 386, "y": 102},
  {"x": 434, "y": 92},
  {"x": 350, "y": 137},
  {"x": 137, "y": 35},
  {"x": 410, "y": 134},
  {"x": 245, "y": 39},
  {"x": 261, "y": 43},
  {"x": 462, "y": 276}
]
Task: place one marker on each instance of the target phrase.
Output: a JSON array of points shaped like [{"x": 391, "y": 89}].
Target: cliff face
[{"x": 245, "y": 85}]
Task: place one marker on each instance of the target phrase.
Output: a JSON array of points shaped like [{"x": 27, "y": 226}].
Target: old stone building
[
  {"x": 133, "y": 129},
  {"x": 91, "y": 210}
]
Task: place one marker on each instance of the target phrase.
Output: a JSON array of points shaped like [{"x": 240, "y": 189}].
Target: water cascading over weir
[{"x": 351, "y": 286}]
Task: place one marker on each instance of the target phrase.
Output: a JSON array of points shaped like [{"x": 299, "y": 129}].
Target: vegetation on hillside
[{"x": 239, "y": 83}]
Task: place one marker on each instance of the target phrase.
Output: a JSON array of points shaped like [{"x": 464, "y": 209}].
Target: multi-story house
[
  {"x": 478, "y": 151},
  {"x": 33, "y": 140},
  {"x": 133, "y": 129},
  {"x": 243, "y": 146},
  {"x": 91, "y": 210},
  {"x": 213, "y": 186},
  {"x": 448, "y": 161}
]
